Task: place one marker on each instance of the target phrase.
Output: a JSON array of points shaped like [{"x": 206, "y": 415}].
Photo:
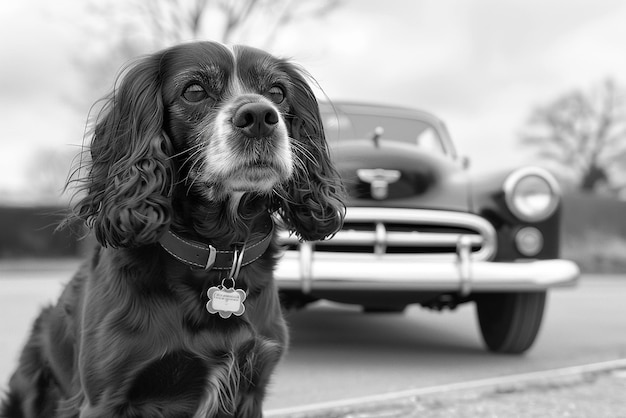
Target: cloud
[{"x": 481, "y": 65}]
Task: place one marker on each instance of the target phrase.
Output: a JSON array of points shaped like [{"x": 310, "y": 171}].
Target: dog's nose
[{"x": 256, "y": 120}]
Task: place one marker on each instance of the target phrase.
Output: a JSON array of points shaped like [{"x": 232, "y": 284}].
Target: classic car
[{"x": 420, "y": 229}]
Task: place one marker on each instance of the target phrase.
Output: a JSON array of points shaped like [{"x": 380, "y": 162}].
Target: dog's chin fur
[
  {"x": 130, "y": 335},
  {"x": 231, "y": 190},
  {"x": 250, "y": 179}
]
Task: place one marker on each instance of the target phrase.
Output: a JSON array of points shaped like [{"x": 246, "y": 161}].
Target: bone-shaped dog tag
[{"x": 226, "y": 302}]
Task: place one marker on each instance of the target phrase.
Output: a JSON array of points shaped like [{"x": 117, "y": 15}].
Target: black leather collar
[{"x": 206, "y": 256}]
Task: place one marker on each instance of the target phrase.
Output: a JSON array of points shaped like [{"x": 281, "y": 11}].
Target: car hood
[{"x": 393, "y": 174}]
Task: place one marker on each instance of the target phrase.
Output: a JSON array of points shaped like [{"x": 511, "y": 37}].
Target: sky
[{"x": 480, "y": 65}]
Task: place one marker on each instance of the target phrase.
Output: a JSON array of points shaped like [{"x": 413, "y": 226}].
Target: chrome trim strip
[
  {"x": 380, "y": 239},
  {"x": 385, "y": 239},
  {"x": 352, "y": 271},
  {"x": 464, "y": 250},
  {"x": 487, "y": 238},
  {"x": 306, "y": 266}
]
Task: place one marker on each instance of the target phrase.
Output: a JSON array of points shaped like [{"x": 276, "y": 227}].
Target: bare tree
[
  {"x": 584, "y": 132},
  {"x": 160, "y": 23},
  {"x": 115, "y": 31},
  {"x": 128, "y": 28}
]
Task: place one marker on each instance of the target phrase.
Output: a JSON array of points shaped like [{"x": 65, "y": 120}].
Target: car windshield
[{"x": 417, "y": 132}]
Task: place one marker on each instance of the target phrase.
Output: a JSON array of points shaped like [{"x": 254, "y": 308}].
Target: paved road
[{"x": 339, "y": 353}]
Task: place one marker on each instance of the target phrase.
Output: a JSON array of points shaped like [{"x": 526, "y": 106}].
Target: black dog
[{"x": 196, "y": 154}]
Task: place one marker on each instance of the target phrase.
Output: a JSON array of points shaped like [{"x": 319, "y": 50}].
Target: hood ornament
[{"x": 379, "y": 180}]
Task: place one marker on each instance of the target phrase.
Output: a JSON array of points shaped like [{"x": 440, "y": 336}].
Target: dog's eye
[
  {"x": 195, "y": 93},
  {"x": 276, "y": 94}
]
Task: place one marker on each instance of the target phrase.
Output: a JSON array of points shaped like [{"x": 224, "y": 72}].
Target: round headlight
[{"x": 532, "y": 194}]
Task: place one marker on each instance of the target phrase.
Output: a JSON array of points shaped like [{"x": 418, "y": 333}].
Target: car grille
[{"x": 430, "y": 234}]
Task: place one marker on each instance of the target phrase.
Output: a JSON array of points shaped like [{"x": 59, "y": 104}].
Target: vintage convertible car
[{"x": 421, "y": 229}]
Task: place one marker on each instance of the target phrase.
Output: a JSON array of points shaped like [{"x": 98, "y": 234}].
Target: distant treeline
[
  {"x": 593, "y": 233},
  {"x": 583, "y": 212},
  {"x": 30, "y": 232}
]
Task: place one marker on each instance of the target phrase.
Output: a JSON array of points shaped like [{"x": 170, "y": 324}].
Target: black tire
[{"x": 510, "y": 322}]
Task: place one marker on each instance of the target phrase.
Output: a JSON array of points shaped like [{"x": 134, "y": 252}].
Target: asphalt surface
[
  {"x": 339, "y": 353},
  {"x": 418, "y": 364}
]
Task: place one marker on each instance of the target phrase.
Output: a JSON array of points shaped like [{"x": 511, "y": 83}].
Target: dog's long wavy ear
[
  {"x": 314, "y": 208},
  {"x": 129, "y": 178}
]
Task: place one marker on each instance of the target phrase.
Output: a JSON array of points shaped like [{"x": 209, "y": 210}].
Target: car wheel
[{"x": 509, "y": 322}]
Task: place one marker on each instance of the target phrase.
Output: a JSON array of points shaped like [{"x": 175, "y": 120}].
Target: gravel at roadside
[{"x": 594, "y": 395}]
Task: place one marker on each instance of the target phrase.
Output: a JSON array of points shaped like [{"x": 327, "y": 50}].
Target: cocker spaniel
[{"x": 197, "y": 153}]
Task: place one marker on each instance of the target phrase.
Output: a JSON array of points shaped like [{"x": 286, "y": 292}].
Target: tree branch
[{"x": 580, "y": 130}]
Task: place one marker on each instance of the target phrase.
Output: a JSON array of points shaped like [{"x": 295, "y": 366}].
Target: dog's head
[{"x": 209, "y": 123}]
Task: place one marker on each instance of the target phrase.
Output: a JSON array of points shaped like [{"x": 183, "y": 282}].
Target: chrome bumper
[{"x": 307, "y": 270}]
